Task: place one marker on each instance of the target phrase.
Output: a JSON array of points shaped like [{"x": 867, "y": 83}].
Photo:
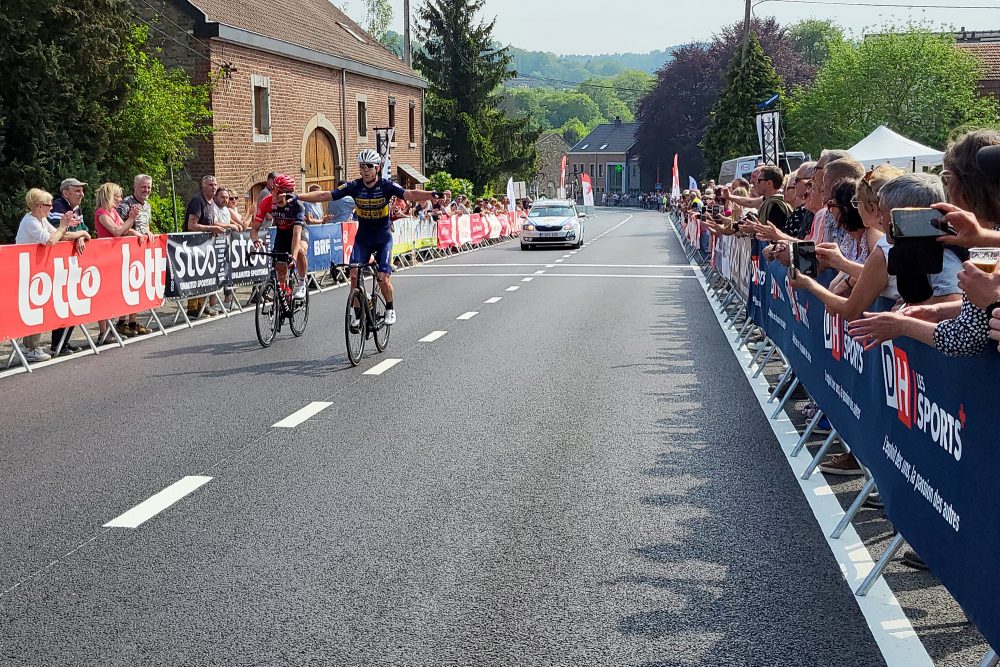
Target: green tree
[
  {"x": 573, "y": 131},
  {"x": 606, "y": 97},
  {"x": 467, "y": 132},
  {"x": 560, "y": 106},
  {"x": 630, "y": 87},
  {"x": 915, "y": 82},
  {"x": 731, "y": 130},
  {"x": 813, "y": 38},
  {"x": 161, "y": 113}
]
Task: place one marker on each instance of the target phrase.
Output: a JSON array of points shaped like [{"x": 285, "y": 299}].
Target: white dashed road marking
[
  {"x": 299, "y": 416},
  {"x": 513, "y": 288},
  {"x": 493, "y": 299},
  {"x": 560, "y": 260},
  {"x": 432, "y": 336},
  {"x": 527, "y": 280},
  {"x": 382, "y": 367},
  {"x": 538, "y": 273},
  {"x": 467, "y": 316},
  {"x": 147, "y": 509}
]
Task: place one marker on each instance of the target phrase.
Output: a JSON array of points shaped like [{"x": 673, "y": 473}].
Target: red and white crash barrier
[
  {"x": 475, "y": 228},
  {"x": 56, "y": 287}
]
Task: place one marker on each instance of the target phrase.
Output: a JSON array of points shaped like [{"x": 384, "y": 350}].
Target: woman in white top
[{"x": 35, "y": 228}]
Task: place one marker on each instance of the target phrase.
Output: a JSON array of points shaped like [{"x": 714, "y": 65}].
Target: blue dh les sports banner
[{"x": 926, "y": 426}]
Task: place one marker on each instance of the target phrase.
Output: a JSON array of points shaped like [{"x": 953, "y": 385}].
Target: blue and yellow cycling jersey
[{"x": 372, "y": 204}]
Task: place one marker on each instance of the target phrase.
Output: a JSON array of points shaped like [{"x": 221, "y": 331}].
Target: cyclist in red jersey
[{"x": 289, "y": 220}]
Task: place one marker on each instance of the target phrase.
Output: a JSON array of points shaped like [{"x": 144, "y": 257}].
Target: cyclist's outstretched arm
[{"x": 420, "y": 195}]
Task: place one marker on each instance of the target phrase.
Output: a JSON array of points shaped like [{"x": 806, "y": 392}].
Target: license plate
[{"x": 551, "y": 234}]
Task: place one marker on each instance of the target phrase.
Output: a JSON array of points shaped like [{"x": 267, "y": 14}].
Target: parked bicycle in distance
[
  {"x": 275, "y": 303},
  {"x": 365, "y": 314}
]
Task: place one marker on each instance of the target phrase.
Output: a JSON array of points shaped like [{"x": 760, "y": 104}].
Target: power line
[{"x": 876, "y": 4}]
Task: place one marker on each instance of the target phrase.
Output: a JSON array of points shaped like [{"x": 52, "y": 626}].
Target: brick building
[
  {"x": 610, "y": 156},
  {"x": 300, "y": 88},
  {"x": 984, "y": 46}
]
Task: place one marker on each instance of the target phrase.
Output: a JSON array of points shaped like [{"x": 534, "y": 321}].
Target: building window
[
  {"x": 616, "y": 179},
  {"x": 363, "y": 117},
  {"x": 600, "y": 170},
  {"x": 413, "y": 122},
  {"x": 261, "y": 108},
  {"x": 392, "y": 112},
  {"x": 591, "y": 169}
]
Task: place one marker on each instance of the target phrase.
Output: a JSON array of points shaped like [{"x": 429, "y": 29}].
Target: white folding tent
[{"x": 883, "y": 146}]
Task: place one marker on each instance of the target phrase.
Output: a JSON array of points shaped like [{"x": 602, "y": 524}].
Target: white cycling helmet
[{"x": 369, "y": 156}]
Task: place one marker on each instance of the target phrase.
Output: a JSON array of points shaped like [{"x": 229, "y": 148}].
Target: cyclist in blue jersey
[{"x": 372, "y": 195}]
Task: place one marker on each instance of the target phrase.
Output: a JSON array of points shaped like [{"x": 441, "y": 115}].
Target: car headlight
[
  {"x": 569, "y": 225},
  {"x": 528, "y": 227}
]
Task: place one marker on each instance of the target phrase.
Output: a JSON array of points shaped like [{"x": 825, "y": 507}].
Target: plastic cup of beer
[{"x": 985, "y": 259}]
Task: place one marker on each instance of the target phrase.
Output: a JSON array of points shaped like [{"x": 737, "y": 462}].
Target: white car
[{"x": 553, "y": 222}]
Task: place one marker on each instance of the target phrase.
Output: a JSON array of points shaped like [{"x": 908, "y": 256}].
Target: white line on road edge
[
  {"x": 892, "y": 630},
  {"x": 382, "y": 367},
  {"x": 467, "y": 316},
  {"x": 493, "y": 299},
  {"x": 299, "y": 416},
  {"x": 513, "y": 288},
  {"x": 527, "y": 280},
  {"x": 149, "y": 508},
  {"x": 432, "y": 336}
]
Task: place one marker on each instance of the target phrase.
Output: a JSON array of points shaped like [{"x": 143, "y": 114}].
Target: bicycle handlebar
[{"x": 280, "y": 256}]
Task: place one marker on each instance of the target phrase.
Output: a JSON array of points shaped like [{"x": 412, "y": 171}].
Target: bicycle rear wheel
[
  {"x": 356, "y": 337},
  {"x": 300, "y": 315},
  {"x": 381, "y": 328},
  {"x": 268, "y": 311}
]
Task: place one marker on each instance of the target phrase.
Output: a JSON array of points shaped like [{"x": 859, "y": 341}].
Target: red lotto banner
[
  {"x": 478, "y": 230},
  {"x": 446, "y": 233},
  {"x": 56, "y": 287},
  {"x": 350, "y": 233}
]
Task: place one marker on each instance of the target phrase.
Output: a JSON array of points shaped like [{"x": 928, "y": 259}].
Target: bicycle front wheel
[
  {"x": 355, "y": 335},
  {"x": 300, "y": 315},
  {"x": 267, "y": 313},
  {"x": 381, "y": 328}
]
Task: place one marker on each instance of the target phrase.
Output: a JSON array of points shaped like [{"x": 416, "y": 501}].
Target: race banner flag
[
  {"x": 588, "y": 190},
  {"x": 562, "y": 178},
  {"x": 511, "y": 195},
  {"x": 692, "y": 184},
  {"x": 675, "y": 188}
]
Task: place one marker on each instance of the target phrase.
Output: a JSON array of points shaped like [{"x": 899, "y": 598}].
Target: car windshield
[{"x": 550, "y": 211}]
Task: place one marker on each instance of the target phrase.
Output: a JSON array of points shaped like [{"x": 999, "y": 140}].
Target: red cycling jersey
[{"x": 285, "y": 217}]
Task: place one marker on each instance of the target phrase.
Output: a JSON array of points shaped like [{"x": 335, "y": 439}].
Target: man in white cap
[{"x": 68, "y": 204}]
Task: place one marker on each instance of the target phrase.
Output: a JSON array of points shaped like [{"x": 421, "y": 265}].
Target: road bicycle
[
  {"x": 275, "y": 303},
  {"x": 369, "y": 310}
]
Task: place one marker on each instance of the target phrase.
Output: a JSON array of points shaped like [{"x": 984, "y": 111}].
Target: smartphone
[
  {"x": 803, "y": 255},
  {"x": 717, "y": 210},
  {"x": 918, "y": 223}
]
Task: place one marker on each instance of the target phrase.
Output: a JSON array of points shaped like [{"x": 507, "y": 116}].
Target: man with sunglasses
[{"x": 372, "y": 195}]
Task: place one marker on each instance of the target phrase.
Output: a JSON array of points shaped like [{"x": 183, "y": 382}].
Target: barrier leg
[
  {"x": 879, "y": 568},
  {"x": 764, "y": 346},
  {"x": 820, "y": 453},
  {"x": 808, "y": 432},
  {"x": 781, "y": 383},
  {"x": 788, "y": 394},
  {"x": 16, "y": 352},
  {"x": 990, "y": 659},
  {"x": 770, "y": 354},
  {"x": 90, "y": 341},
  {"x": 853, "y": 509},
  {"x": 153, "y": 317},
  {"x": 746, "y": 325}
]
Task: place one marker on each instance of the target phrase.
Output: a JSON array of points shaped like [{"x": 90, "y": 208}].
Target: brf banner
[
  {"x": 199, "y": 264},
  {"x": 56, "y": 287}
]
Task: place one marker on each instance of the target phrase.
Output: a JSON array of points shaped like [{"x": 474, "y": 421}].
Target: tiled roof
[
  {"x": 988, "y": 54},
  {"x": 608, "y": 138},
  {"x": 310, "y": 24}
]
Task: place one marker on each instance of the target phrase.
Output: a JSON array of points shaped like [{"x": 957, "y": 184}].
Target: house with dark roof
[
  {"x": 984, "y": 46},
  {"x": 299, "y": 88},
  {"x": 609, "y": 155}
]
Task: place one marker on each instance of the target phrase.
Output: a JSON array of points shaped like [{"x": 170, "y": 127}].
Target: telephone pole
[
  {"x": 407, "y": 51},
  {"x": 746, "y": 34}
]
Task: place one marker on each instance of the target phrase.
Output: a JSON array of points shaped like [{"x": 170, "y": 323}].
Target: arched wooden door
[{"x": 321, "y": 160}]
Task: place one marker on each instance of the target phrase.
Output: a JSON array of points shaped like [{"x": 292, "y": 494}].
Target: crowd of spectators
[
  {"x": 652, "y": 201},
  {"x": 878, "y": 288}
]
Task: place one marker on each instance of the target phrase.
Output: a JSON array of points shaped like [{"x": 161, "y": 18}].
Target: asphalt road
[{"x": 573, "y": 476}]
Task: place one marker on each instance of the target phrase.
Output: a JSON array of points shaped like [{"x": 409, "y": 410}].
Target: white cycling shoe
[
  {"x": 300, "y": 291},
  {"x": 390, "y": 316}
]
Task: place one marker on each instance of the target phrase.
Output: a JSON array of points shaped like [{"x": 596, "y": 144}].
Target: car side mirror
[{"x": 581, "y": 215}]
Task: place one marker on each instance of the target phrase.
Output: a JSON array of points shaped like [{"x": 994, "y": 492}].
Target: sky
[{"x": 588, "y": 27}]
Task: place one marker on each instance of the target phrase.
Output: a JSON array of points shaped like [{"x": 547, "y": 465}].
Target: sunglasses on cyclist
[{"x": 367, "y": 165}]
